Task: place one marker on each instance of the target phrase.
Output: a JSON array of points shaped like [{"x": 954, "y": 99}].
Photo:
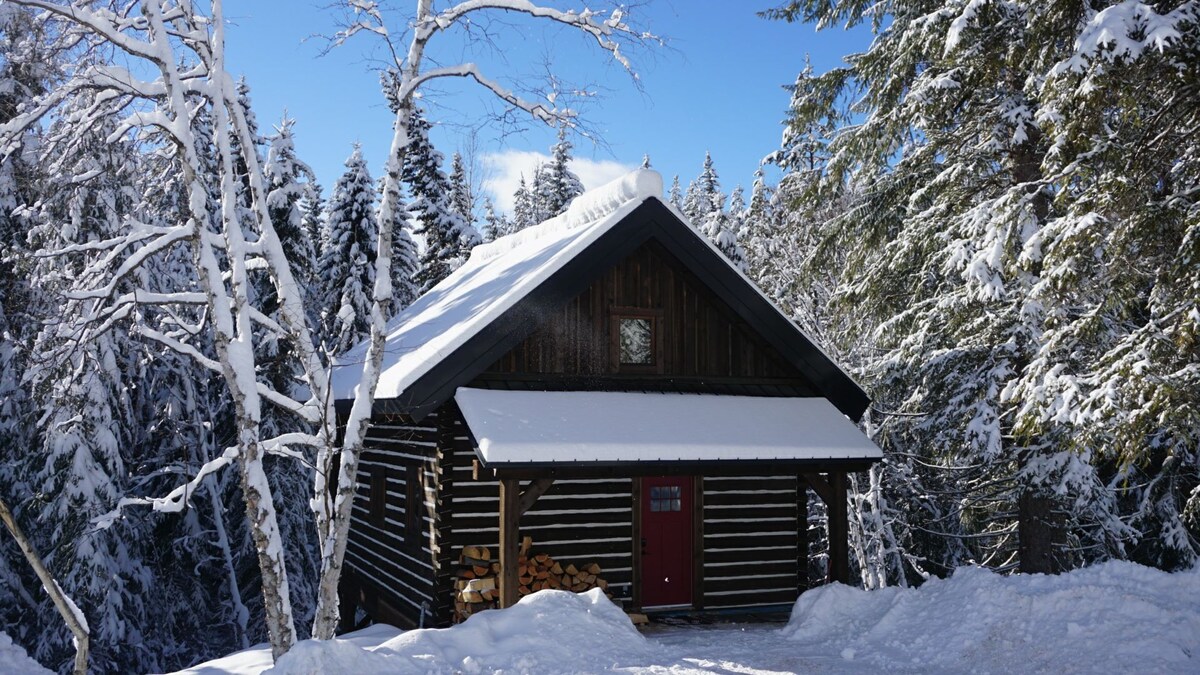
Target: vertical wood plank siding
[
  {"x": 396, "y": 567},
  {"x": 699, "y": 335}
]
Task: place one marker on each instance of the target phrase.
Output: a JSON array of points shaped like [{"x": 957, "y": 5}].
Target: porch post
[
  {"x": 839, "y": 530},
  {"x": 510, "y": 514}
]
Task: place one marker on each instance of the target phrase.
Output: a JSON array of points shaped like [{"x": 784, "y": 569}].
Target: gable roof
[{"x": 465, "y": 323}]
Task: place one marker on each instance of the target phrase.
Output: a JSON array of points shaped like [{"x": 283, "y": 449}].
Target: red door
[{"x": 666, "y": 541}]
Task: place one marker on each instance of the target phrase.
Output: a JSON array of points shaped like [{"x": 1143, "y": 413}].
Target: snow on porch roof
[
  {"x": 527, "y": 428},
  {"x": 494, "y": 278}
]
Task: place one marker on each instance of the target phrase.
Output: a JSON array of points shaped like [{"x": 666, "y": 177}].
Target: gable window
[{"x": 635, "y": 340}]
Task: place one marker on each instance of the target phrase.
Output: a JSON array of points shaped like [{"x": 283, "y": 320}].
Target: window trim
[{"x": 655, "y": 316}]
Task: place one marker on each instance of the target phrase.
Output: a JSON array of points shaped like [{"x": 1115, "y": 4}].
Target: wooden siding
[
  {"x": 395, "y": 566},
  {"x": 697, "y": 334},
  {"x": 750, "y": 541}
]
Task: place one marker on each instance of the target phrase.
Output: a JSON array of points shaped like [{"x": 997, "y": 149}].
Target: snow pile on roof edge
[
  {"x": 1112, "y": 617},
  {"x": 520, "y": 639},
  {"x": 14, "y": 660},
  {"x": 587, "y": 208}
]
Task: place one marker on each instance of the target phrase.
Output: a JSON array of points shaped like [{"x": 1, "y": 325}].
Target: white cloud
[{"x": 503, "y": 171}]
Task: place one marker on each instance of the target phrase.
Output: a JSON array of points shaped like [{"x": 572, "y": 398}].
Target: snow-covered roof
[
  {"x": 535, "y": 427},
  {"x": 494, "y": 278}
]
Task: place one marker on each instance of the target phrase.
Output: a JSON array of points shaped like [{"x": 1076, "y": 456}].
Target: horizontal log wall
[
  {"x": 750, "y": 541},
  {"x": 396, "y": 570}
]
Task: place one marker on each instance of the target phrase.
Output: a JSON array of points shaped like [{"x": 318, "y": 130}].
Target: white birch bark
[{"x": 70, "y": 613}]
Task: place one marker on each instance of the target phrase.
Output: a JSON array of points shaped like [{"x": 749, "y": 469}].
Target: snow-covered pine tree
[
  {"x": 562, "y": 184},
  {"x": 347, "y": 264},
  {"x": 82, "y": 391},
  {"x": 540, "y": 195},
  {"x": 523, "y": 208},
  {"x": 675, "y": 194},
  {"x": 993, "y": 248},
  {"x": 286, "y": 187},
  {"x": 28, "y": 63},
  {"x": 448, "y": 238},
  {"x": 462, "y": 195},
  {"x": 495, "y": 225},
  {"x": 405, "y": 260},
  {"x": 701, "y": 197},
  {"x": 312, "y": 209}
]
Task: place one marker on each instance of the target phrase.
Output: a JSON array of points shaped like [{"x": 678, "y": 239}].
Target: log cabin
[{"x": 609, "y": 387}]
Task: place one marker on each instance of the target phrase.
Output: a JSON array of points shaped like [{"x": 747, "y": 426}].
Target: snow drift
[
  {"x": 14, "y": 660},
  {"x": 1114, "y": 617},
  {"x": 522, "y": 639}
]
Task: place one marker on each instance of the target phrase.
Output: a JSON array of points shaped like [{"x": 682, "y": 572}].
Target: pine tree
[
  {"x": 462, "y": 197},
  {"x": 994, "y": 148},
  {"x": 675, "y": 195},
  {"x": 284, "y": 172},
  {"x": 523, "y": 208},
  {"x": 702, "y": 193},
  {"x": 448, "y": 239},
  {"x": 347, "y": 265},
  {"x": 562, "y": 185},
  {"x": 83, "y": 390},
  {"x": 494, "y": 225},
  {"x": 405, "y": 263}
]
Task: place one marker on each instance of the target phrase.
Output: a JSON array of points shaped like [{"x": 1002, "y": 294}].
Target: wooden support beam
[
  {"x": 535, "y": 490},
  {"x": 801, "y": 534},
  {"x": 698, "y": 542},
  {"x": 839, "y": 531},
  {"x": 510, "y": 517},
  {"x": 822, "y": 487}
]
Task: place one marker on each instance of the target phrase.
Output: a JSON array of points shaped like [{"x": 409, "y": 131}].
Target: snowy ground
[{"x": 1115, "y": 617}]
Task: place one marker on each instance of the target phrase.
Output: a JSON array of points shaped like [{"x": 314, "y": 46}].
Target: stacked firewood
[
  {"x": 541, "y": 571},
  {"x": 477, "y": 583}
]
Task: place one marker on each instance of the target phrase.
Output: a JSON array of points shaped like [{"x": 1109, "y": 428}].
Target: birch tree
[
  {"x": 177, "y": 99},
  {"x": 182, "y": 49}
]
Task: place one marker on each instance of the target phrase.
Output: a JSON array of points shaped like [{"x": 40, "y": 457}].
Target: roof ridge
[{"x": 587, "y": 208}]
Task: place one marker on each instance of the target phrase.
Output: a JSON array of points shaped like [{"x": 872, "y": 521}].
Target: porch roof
[{"x": 655, "y": 431}]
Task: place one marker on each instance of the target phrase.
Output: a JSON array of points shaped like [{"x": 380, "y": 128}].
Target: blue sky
[{"x": 716, "y": 86}]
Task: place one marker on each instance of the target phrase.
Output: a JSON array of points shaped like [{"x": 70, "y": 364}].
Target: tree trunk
[
  {"x": 65, "y": 607},
  {"x": 1041, "y": 532}
]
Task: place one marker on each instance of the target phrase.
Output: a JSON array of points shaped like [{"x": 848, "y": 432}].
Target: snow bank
[
  {"x": 1114, "y": 617},
  {"x": 546, "y": 632},
  {"x": 14, "y": 660}
]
